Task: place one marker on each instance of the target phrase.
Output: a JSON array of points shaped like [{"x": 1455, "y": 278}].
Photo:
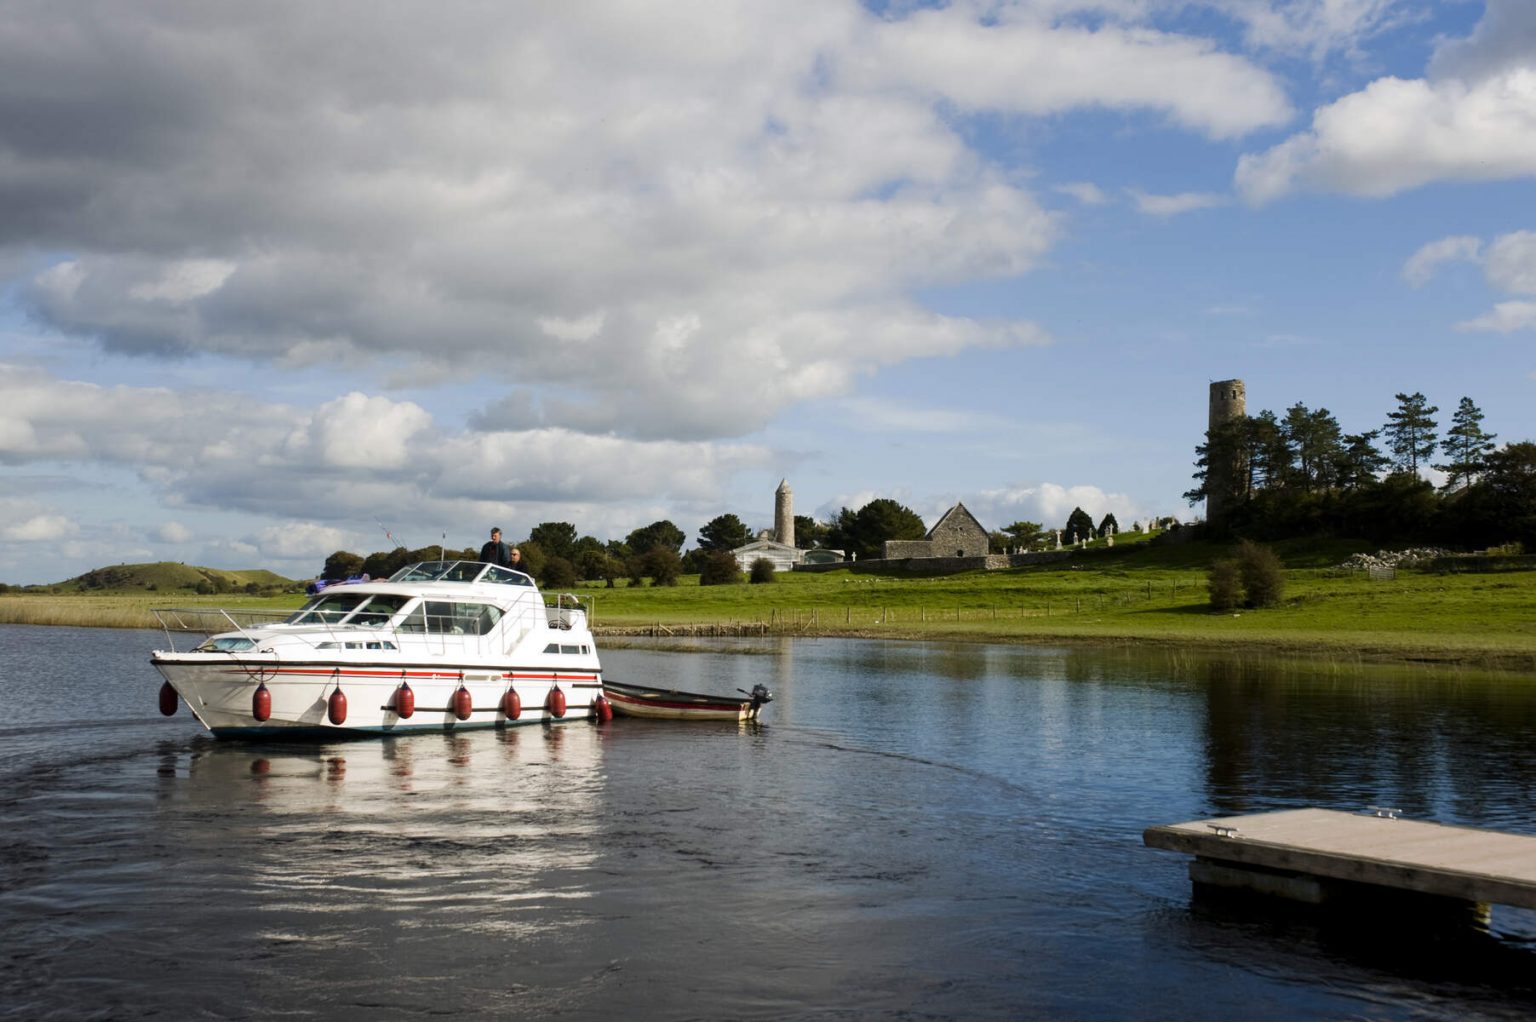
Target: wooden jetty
[{"x": 1323, "y": 855}]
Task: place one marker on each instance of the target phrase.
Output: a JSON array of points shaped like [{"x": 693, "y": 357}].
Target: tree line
[
  {"x": 1300, "y": 474},
  {"x": 556, "y": 555}
]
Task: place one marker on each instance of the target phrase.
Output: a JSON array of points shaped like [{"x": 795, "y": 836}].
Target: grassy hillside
[{"x": 168, "y": 577}]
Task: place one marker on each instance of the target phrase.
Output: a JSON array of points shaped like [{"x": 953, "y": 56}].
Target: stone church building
[{"x": 957, "y": 533}]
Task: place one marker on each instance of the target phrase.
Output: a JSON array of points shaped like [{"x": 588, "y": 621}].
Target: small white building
[{"x": 784, "y": 557}]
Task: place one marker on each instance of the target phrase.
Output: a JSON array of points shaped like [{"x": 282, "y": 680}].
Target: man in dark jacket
[{"x": 495, "y": 551}]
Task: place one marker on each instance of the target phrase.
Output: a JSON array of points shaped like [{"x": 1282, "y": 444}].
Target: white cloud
[
  {"x": 1019, "y": 62},
  {"x": 1050, "y": 504},
  {"x": 1174, "y": 205},
  {"x": 39, "y": 529},
  {"x": 1421, "y": 266},
  {"x": 369, "y": 204},
  {"x": 1086, "y": 192},
  {"x": 349, "y": 459},
  {"x": 301, "y": 541},
  {"x": 1504, "y": 38},
  {"x": 879, "y": 415},
  {"x": 1511, "y": 262},
  {"x": 1506, "y": 317},
  {"x": 1509, "y": 265},
  {"x": 582, "y": 329},
  {"x": 173, "y": 532},
  {"x": 537, "y": 209},
  {"x": 361, "y": 432},
  {"x": 1472, "y": 119},
  {"x": 1315, "y": 28},
  {"x": 180, "y": 282},
  {"x": 557, "y": 465}
]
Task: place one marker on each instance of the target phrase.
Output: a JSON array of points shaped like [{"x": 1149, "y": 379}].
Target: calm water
[{"x": 917, "y": 831}]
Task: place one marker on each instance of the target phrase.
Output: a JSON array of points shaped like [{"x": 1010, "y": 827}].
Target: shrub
[
  {"x": 1252, "y": 577},
  {"x": 662, "y": 565},
  {"x": 1262, "y": 574},
  {"x": 719, "y": 568},
  {"x": 762, "y": 571},
  {"x": 1226, "y": 591},
  {"x": 559, "y": 573}
]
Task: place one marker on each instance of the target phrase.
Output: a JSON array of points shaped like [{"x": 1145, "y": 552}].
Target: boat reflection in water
[{"x": 361, "y": 844}]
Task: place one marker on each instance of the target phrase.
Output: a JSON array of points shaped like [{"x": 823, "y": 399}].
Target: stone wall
[
  {"x": 896, "y": 549},
  {"x": 941, "y": 565}
]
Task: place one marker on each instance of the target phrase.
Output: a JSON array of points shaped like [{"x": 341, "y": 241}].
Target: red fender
[
  {"x": 556, "y": 702},
  {"x": 405, "y": 700},
  {"x": 512, "y": 704},
  {"x": 261, "y": 703},
  {"x": 463, "y": 704},
  {"x": 336, "y": 709},
  {"x": 602, "y": 709},
  {"x": 169, "y": 700}
]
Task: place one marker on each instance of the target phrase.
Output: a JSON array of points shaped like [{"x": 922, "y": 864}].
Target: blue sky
[{"x": 277, "y": 277}]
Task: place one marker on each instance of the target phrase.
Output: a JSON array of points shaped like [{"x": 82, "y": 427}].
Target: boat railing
[
  {"x": 560, "y": 611},
  {"x": 206, "y": 621},
  {"x": 568, "y": 610}
]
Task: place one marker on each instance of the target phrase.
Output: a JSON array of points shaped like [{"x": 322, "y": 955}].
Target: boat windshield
[
  {"x": 378, "y": 610},
  {"x": 460, "y": 571},
  {"x": 371, "y": 610}
]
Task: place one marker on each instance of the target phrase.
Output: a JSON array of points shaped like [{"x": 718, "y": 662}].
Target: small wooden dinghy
[{"x": 670, "y": 704}]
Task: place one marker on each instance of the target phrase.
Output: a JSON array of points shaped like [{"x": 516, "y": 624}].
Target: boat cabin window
[
  {"x": 328, "y": 608},
  {"x": 371, "y": 610},
  {"x": 506, "y": 576},
  {"x": 226, "y": 644},
  {"x": 378, "y": 610},
  {"x": 555, "y": 647},
  {"x": 441, "y": 617},
  {"x": 424, "y": 571}
]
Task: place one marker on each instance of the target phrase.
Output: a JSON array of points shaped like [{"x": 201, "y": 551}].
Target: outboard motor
[{"x": 760, "y": 695}]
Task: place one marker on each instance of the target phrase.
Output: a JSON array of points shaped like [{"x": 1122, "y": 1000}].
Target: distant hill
[{"x": 172, "y": 576}]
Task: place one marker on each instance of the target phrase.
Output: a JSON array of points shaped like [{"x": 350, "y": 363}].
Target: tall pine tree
[
  {"x": 1466, "y": 445},
  {"x": 1410, "y": 432}
]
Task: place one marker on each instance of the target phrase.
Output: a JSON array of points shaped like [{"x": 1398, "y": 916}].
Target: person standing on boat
[
  {"x": 517, "y": 560},
  {"x": 497, "y": 552}
]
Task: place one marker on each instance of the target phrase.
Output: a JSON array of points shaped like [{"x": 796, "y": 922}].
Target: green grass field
[
  {"x": 1457, "y": 618},
  {"x": 1153, "y": 595}
]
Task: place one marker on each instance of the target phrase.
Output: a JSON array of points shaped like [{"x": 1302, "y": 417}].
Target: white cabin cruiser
[{"x": 439, "y": 646}]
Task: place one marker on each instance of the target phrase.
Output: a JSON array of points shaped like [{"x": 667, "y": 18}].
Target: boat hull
[
  {"x": 667, "y": 704},
  {"x": 220, "y": 693}
]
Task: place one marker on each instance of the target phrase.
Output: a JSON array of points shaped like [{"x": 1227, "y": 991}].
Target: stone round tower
[
  {"x": 1224, "y": 476},
  {"x": 1228, "y": 401},
  {"x": 784, "y": 514}
]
